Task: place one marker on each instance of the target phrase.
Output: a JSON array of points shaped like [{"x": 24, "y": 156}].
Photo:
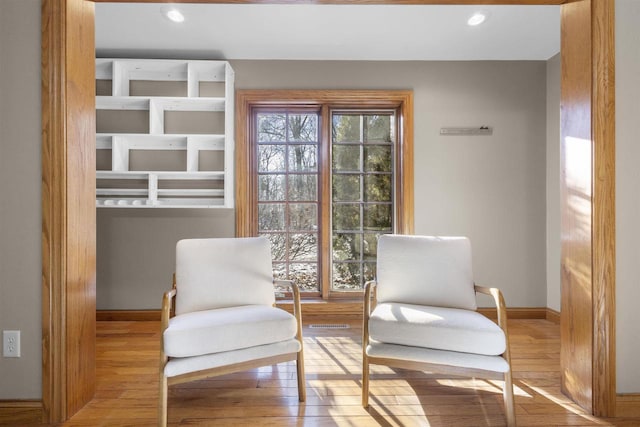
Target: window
[
  {"x": 288, "y": 208},
  {"x": 322, "y": 174},
  {"x": 362, "y": 193}
]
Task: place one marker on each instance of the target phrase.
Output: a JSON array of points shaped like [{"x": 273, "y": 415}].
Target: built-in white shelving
[{"x": 192, "y": 184}]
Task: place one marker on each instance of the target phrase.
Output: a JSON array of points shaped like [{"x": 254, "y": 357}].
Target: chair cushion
[
  {"x": 438, "y": 357},
  {"x": 436, "y": 328},
  {"x": 184, "y": 365},
  {"x": 425, "y": 270},
  {"x": 226, "y": 329},
  {"x": 224, "y": 272}
]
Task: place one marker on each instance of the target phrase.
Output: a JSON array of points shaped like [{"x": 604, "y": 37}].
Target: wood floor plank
[{"x": 127, "y": 387}]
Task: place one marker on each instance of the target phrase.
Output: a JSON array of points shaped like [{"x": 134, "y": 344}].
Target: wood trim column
[
  {"x": 54, "y": 200},
  {"x": 405, "y": 164},
  {"x": 604, "y": 214},
  {"x": 587, "y": 356},
  {"x": 245, "y": 169},
  {"x": 68, "y": 207}
]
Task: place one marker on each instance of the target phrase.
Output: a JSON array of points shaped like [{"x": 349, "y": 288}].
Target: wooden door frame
[{"x": 62, "y": 133}]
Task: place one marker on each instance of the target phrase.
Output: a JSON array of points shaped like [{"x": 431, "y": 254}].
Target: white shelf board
[
  {"x": 104, "y": 69},
  {"x": 121, "y": 175},
  {"x": 161, "y": 69},
  {"x": 162, "y": 141},
  {"x": 194, "y": 192},
  {"x": 165, "y": 203},
  {"x": 123, "y": 203},
  {"x": 122, "y": 191},
  {"x": 165, "y": 103},
  {"x": 208, "y": 71},
  {"x": 122, "y": 102},
  {"x": 167, "y": 192},
  {"x": 189, "y": 104},
  {"x": 149, "y": 69},
  {"x": 160, "y": 174},
  {"x": 104, "y": 141}
]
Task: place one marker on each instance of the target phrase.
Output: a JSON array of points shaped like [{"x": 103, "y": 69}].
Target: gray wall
[
  {"x": 136, "y": 251},
  {"x": 491, "y": 189},
  {"x": 20, "y": 212},
  {"x": 627, "y": 196},
  {"x": 553, "y": 183}
]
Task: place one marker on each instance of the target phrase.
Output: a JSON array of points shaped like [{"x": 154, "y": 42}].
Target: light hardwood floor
[{"x": 127, "y": 387}]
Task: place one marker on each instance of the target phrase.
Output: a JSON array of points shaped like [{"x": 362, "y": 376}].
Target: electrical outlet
[{"x": 11, "y": 343}]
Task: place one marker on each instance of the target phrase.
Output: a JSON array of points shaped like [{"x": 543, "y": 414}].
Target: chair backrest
[
  {"x": 223, "y": 272},
  {"x": 425, "y": 270}
]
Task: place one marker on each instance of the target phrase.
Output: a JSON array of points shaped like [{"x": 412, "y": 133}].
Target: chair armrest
[
  {"x": 295, "y": 290},
  {"x": 500, "y": 304},
  {"x": 166, "y": 312},
  {"x": 297, "y": 308},
  {"x": 167, "y": 305},
  {"x": 284, "y": 282},
  {"x": 502, "y": 314},
  {"x": 369, "y": 292}
]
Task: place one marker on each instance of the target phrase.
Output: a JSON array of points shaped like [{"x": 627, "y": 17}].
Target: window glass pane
[
  {"x": 271, "y": 127},
  {"x": 346, "y": 128},
  {"x": 346, "y": 158},
  {"x": 346, "y": 216},
  {"x": 377, "y": 128},
  {"x": 280, "y": 271},
  {"x": 346, "y": 276},
  {"x": 377, "y": 188},
  {"x": 368, "y": 272},
  {"x": 303, "y": 127},
  {"x": 346, "y": 246},
  {"x": 271, "y": 187},
  {"x": 346, "y": 188},
  {"x": 303, "y": 158},
  {"x": 370, "y": 247},
  {"x": 377, "y": 158},
  {"x": 377, "y": 217},
  {"x": 303, "y": 216},
  {"x": 303, "y": 247},
  {"x": 305, "y": 275},
  {"x": 287, "y": 162},
  {"x": 303, "y": 187},
  {"x": 271, "y": 158},
  {"x": 278, "y": 245},
  {"x": 270, "y": 217}
]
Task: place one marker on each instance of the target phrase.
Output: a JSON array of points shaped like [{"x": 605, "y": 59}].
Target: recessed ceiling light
[
  {"x": 173, "y": 14},
  {"x": 477, "y": 19}
]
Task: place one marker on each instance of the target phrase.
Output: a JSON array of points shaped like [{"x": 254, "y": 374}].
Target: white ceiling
[{"x": 327, "y": 32}]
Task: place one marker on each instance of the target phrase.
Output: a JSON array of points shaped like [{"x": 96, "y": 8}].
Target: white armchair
[
  {"x": 225, "y": 319},
  {"x": 424, "y": 316}
]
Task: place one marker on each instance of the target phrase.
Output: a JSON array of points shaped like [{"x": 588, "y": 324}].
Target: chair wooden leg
[
  {"x": 365, "y": 382},
  {"x": 302, "y": 388},
  {"x": 509, "y": 404},
  {"x": 162, "y": 403}
]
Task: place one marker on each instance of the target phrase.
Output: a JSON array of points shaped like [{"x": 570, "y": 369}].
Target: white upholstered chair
[
  {"x": 424, "y": 316},
  {"x": 225, "y": 316}
]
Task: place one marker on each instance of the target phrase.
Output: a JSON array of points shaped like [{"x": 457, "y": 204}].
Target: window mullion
[{"x": 325, "y": 225}]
